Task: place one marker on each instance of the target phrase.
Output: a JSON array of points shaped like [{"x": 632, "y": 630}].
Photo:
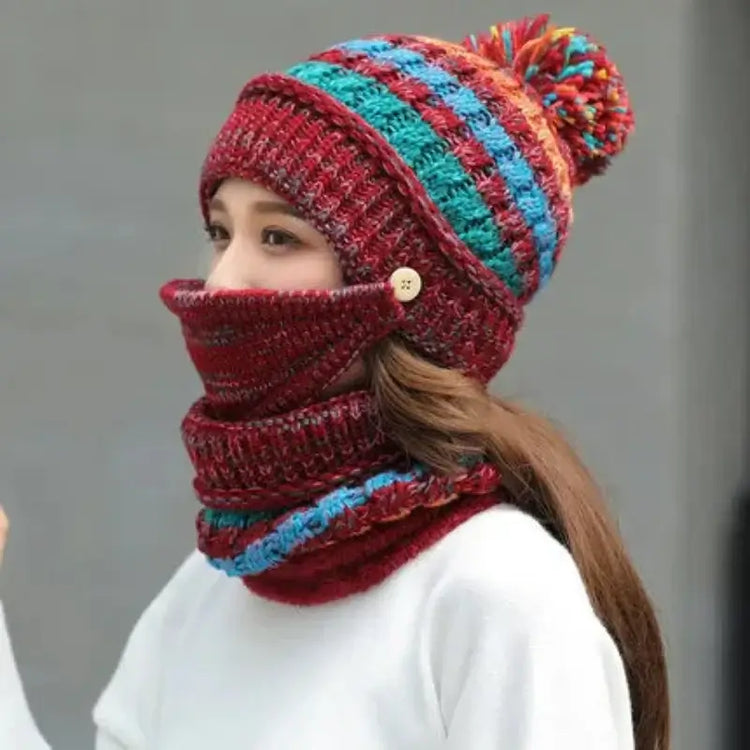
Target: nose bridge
[{"x": 239, "y": 266}]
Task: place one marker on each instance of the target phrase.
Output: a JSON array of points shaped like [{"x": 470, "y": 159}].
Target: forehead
[{"x": 233, "y": 190}]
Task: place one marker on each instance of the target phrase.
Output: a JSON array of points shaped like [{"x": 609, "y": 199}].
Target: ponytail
[{"x": 439, "y": 417}]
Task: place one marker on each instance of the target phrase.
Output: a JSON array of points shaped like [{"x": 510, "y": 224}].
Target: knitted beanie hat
[{"x": 446, "y": 168}]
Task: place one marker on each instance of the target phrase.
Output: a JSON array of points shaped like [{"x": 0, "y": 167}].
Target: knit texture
[
  {"x": 312, "y": 502},
  {"x": 347, "y": 540},
  {"x": 455, "y": 160},
  {"x": 261, "y": 353}
]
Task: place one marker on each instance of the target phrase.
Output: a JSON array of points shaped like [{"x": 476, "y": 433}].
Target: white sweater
[{"x": 487, "y": 641}]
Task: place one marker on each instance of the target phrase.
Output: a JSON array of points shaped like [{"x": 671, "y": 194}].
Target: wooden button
[{"x": 407, "y": 283}]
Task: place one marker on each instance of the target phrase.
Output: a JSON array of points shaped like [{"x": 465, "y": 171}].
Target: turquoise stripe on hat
[
  {"x": 448, "y": 185},
  {"x": 517, "y": 173}
]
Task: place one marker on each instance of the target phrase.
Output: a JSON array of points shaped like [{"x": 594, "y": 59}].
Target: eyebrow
[
  {"x": 262, "y": 207},
  {"x": 276, "y": 207},
  {"x": 216, "y": 204}
]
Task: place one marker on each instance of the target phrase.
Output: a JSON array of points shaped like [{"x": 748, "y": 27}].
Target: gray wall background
[{"x": 639, "y": 347}]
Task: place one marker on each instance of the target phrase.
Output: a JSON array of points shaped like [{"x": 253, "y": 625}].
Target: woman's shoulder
[
  {"x": 189, "y": 585},
  {"x": 504, "y": 559},
  {"x": 176, "y": 603},
  {"x": 508, "y": 622},
  {"x": 192, "y": 571},
  {"x": 127, "y": 706}
]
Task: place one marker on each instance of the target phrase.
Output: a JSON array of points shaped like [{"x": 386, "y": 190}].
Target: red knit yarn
[
  {"x": 356, "y": 565},
  {"x": 345, "y": 180},
  {"x": 261, "y": 352},
  {"x": 275, "y": 463},
  {"x": 360, "y": 548},
  {"x": 390, "y": 505},
  {"x": 256, "y": 470}
]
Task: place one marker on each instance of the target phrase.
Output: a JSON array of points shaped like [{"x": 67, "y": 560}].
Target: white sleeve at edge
[
  {"x": 124, "y": 714},
  {"x": 18, "y": 730}
]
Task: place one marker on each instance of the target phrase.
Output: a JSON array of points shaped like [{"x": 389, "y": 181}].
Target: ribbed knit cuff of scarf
[{"x": 442, "y": 175}]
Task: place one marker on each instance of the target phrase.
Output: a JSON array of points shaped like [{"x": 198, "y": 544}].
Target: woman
[{"x": 424, "y": 566}]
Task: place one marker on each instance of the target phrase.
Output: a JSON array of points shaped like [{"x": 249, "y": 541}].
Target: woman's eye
[
  {"x": 217, "y": 234},
  {"x": 278, "y": 237}
]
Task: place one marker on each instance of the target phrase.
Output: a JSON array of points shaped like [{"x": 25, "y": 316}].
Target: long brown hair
[{"x": 440, "y": 416}]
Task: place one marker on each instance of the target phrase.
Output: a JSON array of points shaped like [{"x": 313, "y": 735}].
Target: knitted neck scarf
[{"x": 306, "y": 502}]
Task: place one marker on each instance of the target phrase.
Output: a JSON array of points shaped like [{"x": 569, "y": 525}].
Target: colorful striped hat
[{"x": 451, "y": 162}]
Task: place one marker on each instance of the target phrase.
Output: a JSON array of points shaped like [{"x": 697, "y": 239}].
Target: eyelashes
[
  {"x": 273, "y": 237},
  {"x": 216, "y": 233},
  {"x": 278, "y": 237}
]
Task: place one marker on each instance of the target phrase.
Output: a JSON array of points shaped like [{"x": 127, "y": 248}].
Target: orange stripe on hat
[{"x": 532, "y": 111}]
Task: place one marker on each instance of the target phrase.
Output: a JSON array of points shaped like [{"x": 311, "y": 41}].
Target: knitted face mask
[{"x": 260, "y": 352}]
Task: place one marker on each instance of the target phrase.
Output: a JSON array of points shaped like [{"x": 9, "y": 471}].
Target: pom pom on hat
[{"x": 580, "y": 87}]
